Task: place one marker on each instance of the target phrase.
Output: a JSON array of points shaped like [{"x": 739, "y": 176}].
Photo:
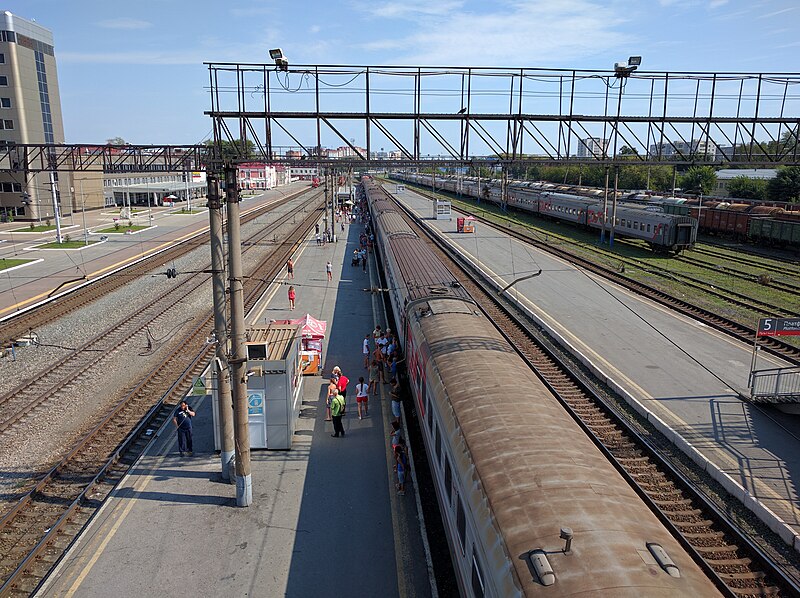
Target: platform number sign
[{"x": 778, "y": 327}]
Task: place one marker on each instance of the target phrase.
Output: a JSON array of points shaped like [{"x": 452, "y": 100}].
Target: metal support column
[
  {"x": 238, "y": 359},
  {"x": 223, "y": 376}
]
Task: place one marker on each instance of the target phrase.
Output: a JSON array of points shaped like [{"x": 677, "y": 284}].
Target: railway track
[
  {"x": 743, "y": 333},
  {"x": 736, "y": 564},
  {"x": 784, "y": 266},
  {"x": 18, "y": 325},
  {"x": 781, "y": 285},
  {"x": 37, "y": 531}
]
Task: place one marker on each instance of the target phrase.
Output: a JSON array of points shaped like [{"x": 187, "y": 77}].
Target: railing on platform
[{"x": 780, "y": 385}]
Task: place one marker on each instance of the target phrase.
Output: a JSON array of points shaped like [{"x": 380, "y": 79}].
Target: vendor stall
[
  {"x": 312, "y": 332},
  {"x": 465, "y": 225}
]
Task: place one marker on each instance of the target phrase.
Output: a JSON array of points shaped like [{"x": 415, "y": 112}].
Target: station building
[{"x": 30, "y": 113}]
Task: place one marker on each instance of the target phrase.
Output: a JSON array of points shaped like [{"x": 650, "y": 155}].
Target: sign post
[{"x": 771, "y": 327}]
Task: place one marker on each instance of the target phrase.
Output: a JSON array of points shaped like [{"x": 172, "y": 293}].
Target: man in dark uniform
[{"x": 183, "y": 421}]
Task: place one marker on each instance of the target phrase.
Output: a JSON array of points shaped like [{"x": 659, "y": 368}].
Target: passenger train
[
  {"x": 530, "y": 505},
  {"x": 663, "y": 232}
]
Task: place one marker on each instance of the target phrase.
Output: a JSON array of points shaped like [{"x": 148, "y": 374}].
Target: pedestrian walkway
[{"x": 325, "y": 518}]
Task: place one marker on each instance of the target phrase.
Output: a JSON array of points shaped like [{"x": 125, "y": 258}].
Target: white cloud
[
  {"x": 253, "y": 11},
  {"x": 411, "y": 9},
  {"x": 315, "y": 29},
  {"x": 717, "y": 3},
  {"x": 124, "y": 23},
  {"x": 777, "y": 12},
  {"x": 528, "y": 33}
]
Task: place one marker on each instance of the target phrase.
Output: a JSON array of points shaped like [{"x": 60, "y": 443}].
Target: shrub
[
  {"x": 67, "y": 238},
  {"x": 32, "y": 225},
  {"x": 47, "y": 221},
  {"x": 116, "y": 226}
]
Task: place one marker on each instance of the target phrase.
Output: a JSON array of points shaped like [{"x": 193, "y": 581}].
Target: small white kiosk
[
  {"x": 441, "y": 210},
  {"x": 274, "y": 386}
]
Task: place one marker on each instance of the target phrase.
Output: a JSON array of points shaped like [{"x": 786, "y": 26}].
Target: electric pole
[
  {"x": 225, "y": 404},
  {"x": 238, "y": 360}
]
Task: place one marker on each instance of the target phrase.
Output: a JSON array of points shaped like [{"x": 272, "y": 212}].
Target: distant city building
[
  {"x": 256, "y": 176},
  {"x": 30, "y": 113},
  {"x": 682, "y": 149},
  {"x": 304, "y": 173},
  {"x": 725, "y": 176},
  {"x": 592, "y": 147}
]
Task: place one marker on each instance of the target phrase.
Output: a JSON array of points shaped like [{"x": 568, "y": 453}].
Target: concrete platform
[
  {"x": 687, "y": 374},
  {"x": 325, "y": 519}
]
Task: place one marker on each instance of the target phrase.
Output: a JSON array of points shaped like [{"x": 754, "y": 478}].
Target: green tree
[
  {"x": 786, "y": 185},
  {"x": 116, "y": 141},
  {"x": 628, "y": 151},
  {"x": 699, "y": 179},
  {"x": 236, "y": 150},
  {"x": 747, "y": 188}
]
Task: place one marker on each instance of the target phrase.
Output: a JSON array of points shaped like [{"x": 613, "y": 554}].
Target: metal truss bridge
[{"x": 393, "y": 117}]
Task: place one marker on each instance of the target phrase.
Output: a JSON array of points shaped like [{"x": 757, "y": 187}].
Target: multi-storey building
[
  {"x": 30, "y": 113},
  {"x": 592, "y": 147}
]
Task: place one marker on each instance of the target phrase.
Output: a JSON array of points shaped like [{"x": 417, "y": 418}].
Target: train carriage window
[
  {"x": 477, "y": 578},
  {"x": 438, "y": 444},
  {"x": 636, "y": 226},
  {"x": 430, "y": 417},
  {"x": 448, "y": 479},
  {"x": 461, "y": 524},
  {"x": 648, "y": 228}
]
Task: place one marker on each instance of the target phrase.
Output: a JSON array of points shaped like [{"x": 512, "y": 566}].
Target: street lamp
[{"x": 622, "y": 70}]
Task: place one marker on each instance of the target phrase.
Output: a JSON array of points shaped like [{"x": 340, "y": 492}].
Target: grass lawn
[
  {"x": 192, "y": 211},
  {"x": 41, "y": 228},
  {"x": 65, "y": 245},
  {"x": 5, "y": 264},
  {"x": 121, "y": 229}
]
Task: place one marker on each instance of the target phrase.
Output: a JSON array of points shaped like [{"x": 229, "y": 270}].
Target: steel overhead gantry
[{"x": 502, "y": 115}]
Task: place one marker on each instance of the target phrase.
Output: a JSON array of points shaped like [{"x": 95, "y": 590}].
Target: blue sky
[{"x": 134, "y": 69}]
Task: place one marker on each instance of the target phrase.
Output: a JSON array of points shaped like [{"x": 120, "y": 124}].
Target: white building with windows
[
  {"x": 592, "y": 147},
  {"x": 30, "y": 113}
]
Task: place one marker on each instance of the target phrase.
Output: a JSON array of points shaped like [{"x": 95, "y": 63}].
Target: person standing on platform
[
  {"x": 362, "y": 398},
  {"x": 183, "y": 422},
  {"x": 292, "y": 297},
  {"x": 329, "y": 270},
  {"x": 331, "y": 389},
  {"x": 316, "y": 228},
  {"x": 289, "y": 268},
  {"x": 373, "y": 377},
  {"x": 337, "y": 411},
  {"x": 341, "y": 384},
  {"x": 377, "y": 360},
  {"x": 396, "y": 398},
  {"x": 365, "y": 351},
  {"x": 401, "y": 465},
  {"x": 319, "y": 239}
]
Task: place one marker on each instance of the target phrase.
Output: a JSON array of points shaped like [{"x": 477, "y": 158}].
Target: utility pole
[
  {"x": 605, "y": 211},
  {"x": 225, "y": 404},
  {"x": 614, "y": 205},
  {"x": 54, "y": 193},
  {"x": 333, "y": 205},
  {"x": 238, "y": 361}
]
